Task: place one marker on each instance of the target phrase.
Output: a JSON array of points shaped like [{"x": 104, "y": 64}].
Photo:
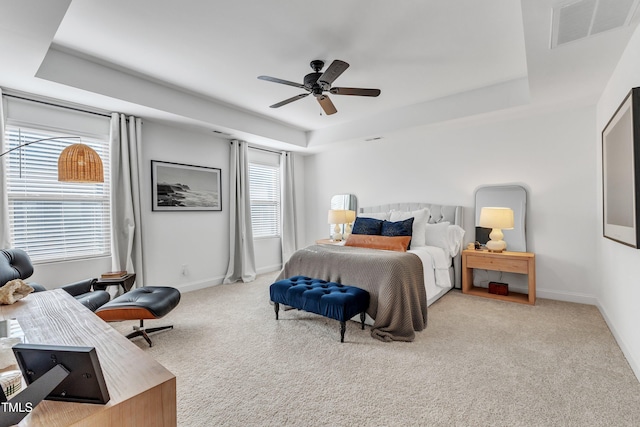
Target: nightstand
[
  {"x": 328, "y": 242},
  {"x": 508, "y": 262}
]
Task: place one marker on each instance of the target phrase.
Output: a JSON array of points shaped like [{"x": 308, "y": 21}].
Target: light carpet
[{"x": 479, "y": 362}]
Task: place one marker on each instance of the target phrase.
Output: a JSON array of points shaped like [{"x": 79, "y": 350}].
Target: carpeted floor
[{"x": 480, "y": 362}]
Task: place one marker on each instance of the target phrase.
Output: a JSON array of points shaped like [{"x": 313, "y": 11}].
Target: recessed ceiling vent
[{"x": 585, "y": 18}]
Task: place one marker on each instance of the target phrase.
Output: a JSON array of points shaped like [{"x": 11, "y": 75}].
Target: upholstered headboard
[{"x": 439, "y": 213}]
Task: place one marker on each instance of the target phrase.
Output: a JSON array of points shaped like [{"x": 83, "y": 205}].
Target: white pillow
[
  {"x": 446, "y": 236},
  {"x": 375, "y": 215},
  {"x": 438, "y": 235},
  {"x": 456, "y": 233},
  {"x": 420, "y": 218}
]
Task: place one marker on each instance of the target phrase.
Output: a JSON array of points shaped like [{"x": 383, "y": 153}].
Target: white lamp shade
[
  {"x": 337, "y": 216},
  {"x": 351, "y": 216},
  {"x": 496, "y": 218}
]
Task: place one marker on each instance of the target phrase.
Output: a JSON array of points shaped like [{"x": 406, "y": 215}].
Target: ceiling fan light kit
[{"x": 317, "y": 83}]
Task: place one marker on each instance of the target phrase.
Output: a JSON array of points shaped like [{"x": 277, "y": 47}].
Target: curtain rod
[
  {"x": 266, "y": 149},
  {"x": 56, "y": 105}
]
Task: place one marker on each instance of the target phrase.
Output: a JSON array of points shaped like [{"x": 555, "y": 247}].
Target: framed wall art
[
  {"x": 620, "y": 174},
  {"x": 179, "y": 187}
]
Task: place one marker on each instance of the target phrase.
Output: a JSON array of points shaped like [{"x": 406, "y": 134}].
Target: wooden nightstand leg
[
  {"x": 467, "y": 279},
  {"x": 532, "y": 282}
]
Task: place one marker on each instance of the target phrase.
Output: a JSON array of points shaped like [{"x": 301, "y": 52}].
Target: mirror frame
[
  {"x": 343, "y": 201},
  {"x": 509, "y": 196}
]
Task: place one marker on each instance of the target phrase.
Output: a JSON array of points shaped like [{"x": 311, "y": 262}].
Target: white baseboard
[
  {"x": 269, "y": 269},
  {"x": 566, "y": 296},
  {"x": 201, "y": 284},
  {"x": 635, "y": 367}
]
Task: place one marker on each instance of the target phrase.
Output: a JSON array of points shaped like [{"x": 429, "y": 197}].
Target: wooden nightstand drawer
[{"x": 500, "y": 264}]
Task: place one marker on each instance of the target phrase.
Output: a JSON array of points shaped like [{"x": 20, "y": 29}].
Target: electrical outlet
[{"x": 184, "y": 270}]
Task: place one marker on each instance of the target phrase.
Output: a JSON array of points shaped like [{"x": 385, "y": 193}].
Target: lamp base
[
  {"x": 496, "y": 245},
  {"x": 337, "y": 235}
]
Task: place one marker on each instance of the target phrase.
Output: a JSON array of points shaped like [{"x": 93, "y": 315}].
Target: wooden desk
[
  {"x": 509, "y": 262},
  {"x": 143, "y": 392}
]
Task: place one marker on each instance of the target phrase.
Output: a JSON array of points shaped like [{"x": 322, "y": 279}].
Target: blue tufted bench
[{"x": 318, "y": 296}]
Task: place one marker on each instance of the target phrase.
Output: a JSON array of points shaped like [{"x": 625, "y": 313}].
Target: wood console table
[
  {"x": 509, "y": 262},
  {"x": 143, "y": 392}
]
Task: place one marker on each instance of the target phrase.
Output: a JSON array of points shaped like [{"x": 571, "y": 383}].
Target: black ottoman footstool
[
  {"x": 148, "y": 302},
  {"x": 328, "y": 299}
]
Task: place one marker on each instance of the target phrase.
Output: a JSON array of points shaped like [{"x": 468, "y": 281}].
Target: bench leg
[
  {"x": 362, "y": 317},
  {"x": 343, "y": 328},
  {"x": 276, "y": 307}
]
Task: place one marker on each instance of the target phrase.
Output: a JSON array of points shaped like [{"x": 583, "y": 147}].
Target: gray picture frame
[
  {"x": 178, "y": 187},
  {"x": 620, "y": 174}
]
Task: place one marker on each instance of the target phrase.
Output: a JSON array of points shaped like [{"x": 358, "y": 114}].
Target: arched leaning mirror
[
  {"x": 347, "y": 202},
  {"x": 508, "y": 196}
]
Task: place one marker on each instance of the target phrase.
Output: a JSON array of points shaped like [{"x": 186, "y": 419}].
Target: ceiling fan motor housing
[
  {"x": 311, "y": 83},
  {"x": 316, "y": 65}
]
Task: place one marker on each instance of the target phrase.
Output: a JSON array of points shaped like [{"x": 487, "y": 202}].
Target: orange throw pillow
[{"x": 389, "y": 243}]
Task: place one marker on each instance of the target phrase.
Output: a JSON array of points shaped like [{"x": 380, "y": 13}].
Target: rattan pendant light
[
  {"x": 77, "y": 163},
  {"x": 80, "y": 163}
]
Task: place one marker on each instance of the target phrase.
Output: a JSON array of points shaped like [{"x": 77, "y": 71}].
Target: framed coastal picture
[
  {"x": 179, "y": 187},
  {"x": 620, "y": 172}
]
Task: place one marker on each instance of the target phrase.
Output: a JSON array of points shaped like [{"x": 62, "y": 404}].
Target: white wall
[
  {"x": 551, "y": 155},
  {"x": 618, "y": 286},
  {"x": 198, "y": 240}
]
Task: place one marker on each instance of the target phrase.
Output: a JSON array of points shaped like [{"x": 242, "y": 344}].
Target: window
[
  {"x": 51, "y": 220},
  {"x": 264, "y": 189}
]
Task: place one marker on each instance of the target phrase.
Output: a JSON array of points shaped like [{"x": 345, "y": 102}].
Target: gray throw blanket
[{"x": 394, "y": 280}]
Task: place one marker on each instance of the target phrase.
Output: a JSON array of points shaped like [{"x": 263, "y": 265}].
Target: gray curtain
[
  {"x": 242, "y": 263},
  {"x": 288, "y": 220},
  {"x": 126, "y": 226},
  {"x": 5, "y": 235}
]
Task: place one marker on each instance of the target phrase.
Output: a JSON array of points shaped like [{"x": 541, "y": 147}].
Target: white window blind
[
  {"x": 264, "y": 189},
  {"x": 51, "y": 220}
]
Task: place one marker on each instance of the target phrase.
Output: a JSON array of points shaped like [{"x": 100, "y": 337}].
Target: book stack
[{"x": 113, "y": 275}]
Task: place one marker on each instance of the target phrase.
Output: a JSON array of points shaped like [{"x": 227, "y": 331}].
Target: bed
[{"x": 401, "y": 284}]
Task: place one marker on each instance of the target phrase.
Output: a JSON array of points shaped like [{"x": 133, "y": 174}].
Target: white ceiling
[{"x": 196, "y": 61}]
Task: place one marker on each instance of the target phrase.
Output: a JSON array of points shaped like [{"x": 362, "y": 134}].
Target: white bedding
[{"x": 435, "y": 264}]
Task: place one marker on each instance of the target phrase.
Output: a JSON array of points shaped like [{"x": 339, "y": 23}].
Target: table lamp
[
  {"x": 497, "y": 219},
  {"x": 350, "y": 218},
  {"x": 337, "y": 217}
]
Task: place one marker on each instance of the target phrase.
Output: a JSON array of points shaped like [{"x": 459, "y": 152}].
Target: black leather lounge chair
[{"x": 16, "y": 264}]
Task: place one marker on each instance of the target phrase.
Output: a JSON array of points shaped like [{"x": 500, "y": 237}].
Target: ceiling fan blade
[
  {"x": 287, "y": 101},
  {"x": 336, "y": 68},
  {"x": 327, "y": 105},
  {"x": 284, "y": 82},
  {"x": 354, "y": 91}
]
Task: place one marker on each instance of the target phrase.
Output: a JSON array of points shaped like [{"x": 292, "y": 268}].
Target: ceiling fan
[{"x": 317, "y": 83}]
